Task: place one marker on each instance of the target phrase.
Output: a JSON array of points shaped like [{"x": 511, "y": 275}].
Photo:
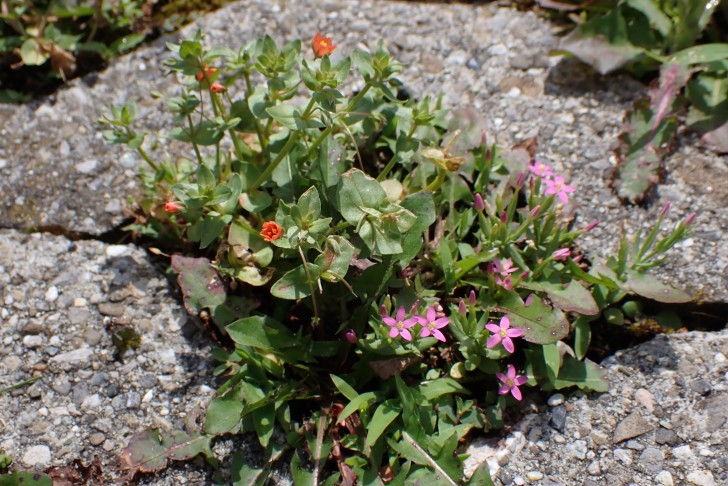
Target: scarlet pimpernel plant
[{"x": 383, "y": 280}]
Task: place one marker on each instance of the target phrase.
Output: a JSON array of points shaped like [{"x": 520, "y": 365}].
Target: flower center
[{"x": 503, "y": 333}]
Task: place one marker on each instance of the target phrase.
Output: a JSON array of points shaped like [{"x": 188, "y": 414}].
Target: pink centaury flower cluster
[
  {"x": 554, "y": 184},
  {"x": 430, "y": 324}
]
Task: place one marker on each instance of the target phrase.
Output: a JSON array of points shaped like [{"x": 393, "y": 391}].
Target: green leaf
[
  {"x": 433, "y": 390},
  {"x": 205, "y": 177},
  {"x": 336, "y": 258},
  {"x": 384, "y": 415},
  {"x": 356, "y": 194},
  {"x": 572, "y": 297},
  {"x": 223, "y": 415},
  {"x": 701, "y": 54},
  {"x": 345, "y": 389},
  {"x": 357, "y": 403},
  {"x": 422, "y": 206},
  {"x": 481, "y": 476},
  {"x": 263, "y": 420},
  {"x": 299, "y": 474},
  {"x": 283, "y": 114},
  {"x": 586, "y": 375},
  {"x": 552, "y": 360},
  {"x": 151, "y": 449},
  {"x": 32, "y": 54},
  {"x": 261, "y": 332},
  {"x": 582, "y": 336},
  {"x": 25, "y": 479},
  {"x": 295, "y": 283},
  {"x": 309, "y": 204},
  {"x": 540, "y": 323},
  {"x": 201, "y": 285},
  {"x": 243, "y": 474},
  {"x": 648, "y": 286},
  {"x": 653, "y": 13}
]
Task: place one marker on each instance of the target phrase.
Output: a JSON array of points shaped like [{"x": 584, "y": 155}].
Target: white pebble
[
  {"x": 534, "y": 475},
  {"x": 594, "y": 469},
  {"x": 80, "y": 302},
  {"x": 91, "y": 402},
  {"x": 51, "y": 294},
  {"x": 701, "y": 478},
  {"x": 519, "y": 481},
  {"x": 555, "y": 400},
  {"x": 40, "y": 454},
  {"x": 664, "y": 478},
  {"x": 31, "y": 342},
  {"x": 116, "y": 250}
]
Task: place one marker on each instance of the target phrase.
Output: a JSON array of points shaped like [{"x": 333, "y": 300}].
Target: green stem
[
  {"x": 292, "y": 139},
  {"x": 194, "y": 145},
  {"x": 147, "y": 159},
  {"x": 262, "y": 136},
  {"x": 311, "y": 286}
]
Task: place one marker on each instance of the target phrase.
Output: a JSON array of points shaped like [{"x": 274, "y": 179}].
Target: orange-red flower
[
  {"x": 271, "y": 231},
  {"x": 322, "y": 45},
  {"x": 206, "y": 73},
  {"x": 173, "y": 207},
  {"x": 217, "y": 88}
]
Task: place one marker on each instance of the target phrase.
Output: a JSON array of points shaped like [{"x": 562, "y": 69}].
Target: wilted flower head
[{"x": 322, "y": 45}]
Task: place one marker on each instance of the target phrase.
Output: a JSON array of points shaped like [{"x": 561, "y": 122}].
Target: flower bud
[
  {"x": 591, "y": 226},
  {"x": 521, "y": 179},
  {"x": 534, "y": 212},
  {"x": 690, "y": 219},
  {"x": 173, "y": 207},
  {"x": 217, "y": 88},
  {"x": 471, "y": 297},
  {"x": 665, "y": 209},
  {"x": 504, "y": 217},
  {"x": 478, "y": 203},
  {"x": 350, "y": 336},
  {"x": 462, "y": 309},
  {"x": 561, "y": 254},
  {"x": 528, "y": 300}
]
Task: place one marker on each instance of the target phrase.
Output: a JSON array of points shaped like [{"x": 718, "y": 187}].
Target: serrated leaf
[
  {"x": 585, "y": 374},
  {"x": 540, "y": 323},
  {"x": 151, "y": 450},
  {"x": 649, "y": 286}
]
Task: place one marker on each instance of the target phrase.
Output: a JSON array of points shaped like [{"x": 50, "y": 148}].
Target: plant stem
[
  {"x": 316, "y": 318},
  {"x": 147, "y": 159}
]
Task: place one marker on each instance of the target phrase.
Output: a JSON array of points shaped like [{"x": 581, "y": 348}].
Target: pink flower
[
  {"x": 561, "y": 254},
  {"x": 540, "y": 169},
  {"x": 399, "y": 325},
  {"x": 502, "y": 334},
  {"x": 511, "y": 382},
  {"x": 431, "y": 324},
  {"x": 504, "y": 268},
  {"x": 690, "y": 219},
  {"x": 559, "y": 187},
  {"x": 665, "y": 209},
  {"x": 472, "y": 297},
  {"x": 529, "y": 299},
  {"x": 462, "y": 308},
  {"x": 591, "y": 226},
  {"x": 506, "y": 284},
  {"x": 534, "y": 212}
]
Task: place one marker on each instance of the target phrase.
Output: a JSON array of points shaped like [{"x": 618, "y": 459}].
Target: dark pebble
[
  {"x": 558, "y": 418},
  {"x": 666, "y": 436},
  {"x": 701, "y": 387}
]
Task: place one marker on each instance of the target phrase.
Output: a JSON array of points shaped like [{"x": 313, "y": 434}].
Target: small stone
[
  {"x": 80, "y": 302},
  {"x": 701, "y": 387},
  {"x": 77, "y": 356},
  {"x": 534, "y": 475},
  {"x": 520, "y": 62},
  {"x": 665, "y": 436},
  {"x": 87, "y": 166},
  {"x": 664, "y": 478},
  {"x": 32, "y": 342},
  {"x": 645, "y": 398},
  {"x": 51, "y": 294},
  {"x": 632, "y": 426},
  {"x": 92, "y": 337},
  {"x": 578, "y": 449},
  {"x": 519, "y": 481},
  {"x": 97, "y": 439},
  {"x": 91, "y": 402},
  {"x": 116, "y": 250},
  {"x": 720, "y": 358},
  {"x": 624, "y": 456},
  {"x": 599, "y": 437},
  {"x": 558, "y": 418},
  {"x": 39, "y": 454},
  {"x": 634, "y": 445},
  {"x": 112, "y": 310},
  {"x": 652, "y": 460},
  {"x": 32, "y": 327},
  {"x": 684, "y": 453},
  {"x": 701, "y": 478},
  {"x": 555, "y": 400},
  {"x": 594, "y": 469}
]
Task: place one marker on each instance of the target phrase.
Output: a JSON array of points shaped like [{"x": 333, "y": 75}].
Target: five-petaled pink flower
[
  {"x": 502, "y": 334},
  {"x": 504, "y": 268},
  {"x": 399, "y": 325},
  {"x": 511, "y": 382},
  {"x": 431, "y": 324},
  {"x": 540, "y": 169},
  {"x": 559, "y": 187}
]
